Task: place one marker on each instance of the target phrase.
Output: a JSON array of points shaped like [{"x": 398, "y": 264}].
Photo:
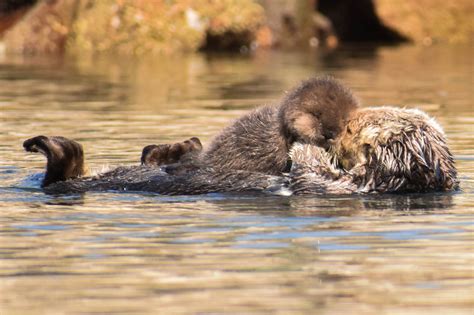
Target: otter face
[
  {"x": 368, "y": 130},
  {"x": 393, "y": 150},
  {"x": 350, "y": 148},
  {"x": 316, "y": 112}
]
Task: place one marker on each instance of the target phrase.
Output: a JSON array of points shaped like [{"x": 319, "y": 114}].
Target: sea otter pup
[
  {"x": 314, "y": 112},
  {"x": 380, "y": 150}
]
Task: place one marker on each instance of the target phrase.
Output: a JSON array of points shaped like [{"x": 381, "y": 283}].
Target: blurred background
[{"x": 158, "y": 26}]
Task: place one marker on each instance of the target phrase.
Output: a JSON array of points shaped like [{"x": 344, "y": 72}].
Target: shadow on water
[
  {"x": 322, "y": 206},
  {"x": 335, "y": 206}
]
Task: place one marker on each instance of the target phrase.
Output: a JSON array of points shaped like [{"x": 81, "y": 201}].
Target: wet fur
[
  {"x": 251, "y": 143},
  {"x": 165, "y": 154},
  {"x": 396, "y": 150},
  {"x": 154, "y": 179},
  {"x": 65, "y": 158},
  {"x": 177, "y": 158},
  {"x": 381, "y": 150},
  {"x": 314, "y": 112}
]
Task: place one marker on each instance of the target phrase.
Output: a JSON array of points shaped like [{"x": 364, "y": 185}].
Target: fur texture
[
  {"x": 65, "y": 158},
  {"x": 382, "y": 149},
  {"x": 396, "y": 150},
  {"x": 154, "y": 179},
  {"x": 314, "y": 112}
]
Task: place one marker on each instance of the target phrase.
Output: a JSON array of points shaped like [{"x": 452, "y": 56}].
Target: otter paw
[{"x": 163, "y": 154}]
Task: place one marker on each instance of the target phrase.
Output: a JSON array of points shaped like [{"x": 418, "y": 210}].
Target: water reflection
[{"x": 145, "y": 253}]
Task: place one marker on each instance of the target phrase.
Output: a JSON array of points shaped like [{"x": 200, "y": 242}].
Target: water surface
[{"x": 136, "y": 253}]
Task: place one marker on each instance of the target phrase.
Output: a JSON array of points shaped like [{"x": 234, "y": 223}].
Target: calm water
[{"x": 132, "y": 253}]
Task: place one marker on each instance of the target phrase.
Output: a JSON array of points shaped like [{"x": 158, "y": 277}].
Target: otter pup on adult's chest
[
  {"x": 314, "y": 113},
  {"x": 381, "y": 150}
]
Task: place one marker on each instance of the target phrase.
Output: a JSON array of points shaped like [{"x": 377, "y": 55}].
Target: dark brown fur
[
  {"x": 65, "y": 170},
  {"x": 65, "y": 157},
  {"x": 252, "y": 143},
  {"x": 164, "y": 154},
  {"x": 314, "y": 112}
]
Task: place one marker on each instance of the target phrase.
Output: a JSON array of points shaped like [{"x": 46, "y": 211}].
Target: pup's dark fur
[{"x": 314, "y": 113}]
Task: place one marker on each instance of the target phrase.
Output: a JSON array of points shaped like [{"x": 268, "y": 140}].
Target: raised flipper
[
  {"x": 165, "y": 154},
  {"x": 65, "y": 157}
]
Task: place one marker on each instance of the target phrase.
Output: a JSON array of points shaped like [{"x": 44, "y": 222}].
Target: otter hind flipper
[
  {"x": 65, "y": 157},
  {"x": 164, "y": 154},
  {"x": 154, "y": 155}
]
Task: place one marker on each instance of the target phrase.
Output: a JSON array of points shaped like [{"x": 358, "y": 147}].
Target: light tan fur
[{"x": 384, "y": 149}]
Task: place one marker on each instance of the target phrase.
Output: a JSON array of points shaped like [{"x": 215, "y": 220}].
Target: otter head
[
  {"x": 316, "y": 111},
  {"x": 392, "y": 150}
]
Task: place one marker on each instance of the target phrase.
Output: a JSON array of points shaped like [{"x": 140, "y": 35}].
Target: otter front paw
[
  {"x": 164, "y": 154},
  {"x": 65, "y": 157}
]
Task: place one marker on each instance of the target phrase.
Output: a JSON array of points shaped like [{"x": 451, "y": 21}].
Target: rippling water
[{"x": 135, "y": 253}]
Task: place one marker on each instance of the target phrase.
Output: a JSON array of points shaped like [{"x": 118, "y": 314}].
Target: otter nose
[{"x": 329, "y": 135}]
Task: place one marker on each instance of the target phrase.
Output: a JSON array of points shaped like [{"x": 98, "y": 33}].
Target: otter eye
[{"x": 316, "y": 114}]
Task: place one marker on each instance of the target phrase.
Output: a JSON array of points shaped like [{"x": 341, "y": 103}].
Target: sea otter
[
  {"x": 314, "y": 112},
  {"x": 380, "y": 150}
]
